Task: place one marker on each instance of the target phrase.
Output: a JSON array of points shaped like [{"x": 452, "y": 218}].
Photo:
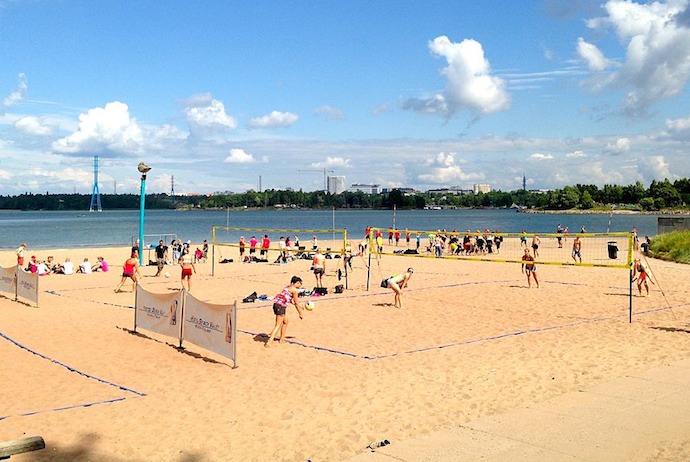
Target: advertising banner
[
  {"x": 7, "y": 284},
  {"x": 209, "y": 326},
  {"x": 27, "y": 286},
  {"x": 158, "y": 313}
]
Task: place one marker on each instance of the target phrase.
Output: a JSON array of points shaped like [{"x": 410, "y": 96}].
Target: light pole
[{"x": 143, "y": 169}]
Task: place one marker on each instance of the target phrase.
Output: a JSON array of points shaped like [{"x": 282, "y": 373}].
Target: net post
[
  {"x": 213, "y": 251},
  {"x": 371, "y": 249},
  {"x": 631, "y": 249},
  {"x": 630, "y": 294},
  {"x": 347, "y": 285}
]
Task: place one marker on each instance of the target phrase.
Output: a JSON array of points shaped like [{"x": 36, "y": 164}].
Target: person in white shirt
[
  {"x": 66, "y": 268},
  {"x": 42, "y": 269},
  {"x": 85, "y": 267}
]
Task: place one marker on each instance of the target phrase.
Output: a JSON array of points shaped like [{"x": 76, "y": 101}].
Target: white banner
[
  {"x": 160, "y": 313},
  {"x": 7, "y": 281},
  {"x": 27, "y": 286},
  {"x": 213, "y": 327}
]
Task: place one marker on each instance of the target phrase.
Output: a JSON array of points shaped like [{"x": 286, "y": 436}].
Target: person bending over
[
  {"x": 281, "y": 301},
  {"x": 397, "y": 283}
]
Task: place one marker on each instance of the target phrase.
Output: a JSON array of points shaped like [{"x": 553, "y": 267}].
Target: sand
[{"x": 471, "y": 341}]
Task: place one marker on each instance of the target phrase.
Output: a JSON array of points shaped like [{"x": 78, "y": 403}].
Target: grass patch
[{"x": 674, "y": 246}]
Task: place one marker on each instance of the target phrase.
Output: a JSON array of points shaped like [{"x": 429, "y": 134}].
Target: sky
[{"x": 233, "y": 96}]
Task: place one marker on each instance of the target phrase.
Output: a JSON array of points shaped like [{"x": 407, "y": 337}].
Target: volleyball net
[
  {"x": 275, "y": 245},
  {"x": 609, "y": 250}
]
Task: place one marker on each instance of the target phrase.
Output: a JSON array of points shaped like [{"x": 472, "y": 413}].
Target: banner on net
[
  {"x": 210, "y": 326},
  {"x": 27, "y": 286},
  {"x": 7, "y": 280},
  {"x": 160, "y": 313}
]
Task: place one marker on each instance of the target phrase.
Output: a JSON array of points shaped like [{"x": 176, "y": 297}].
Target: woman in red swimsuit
[
  {"x": 187, "y": 269},
  {"x": 130, "y": 270}
]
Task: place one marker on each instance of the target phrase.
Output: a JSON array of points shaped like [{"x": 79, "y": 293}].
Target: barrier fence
[
  {"x": 19, "y": 283},
  {"x": 183, "y": 317}
]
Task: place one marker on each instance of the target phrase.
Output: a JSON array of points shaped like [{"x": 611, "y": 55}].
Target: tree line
[{"x": 659, "y": 195}]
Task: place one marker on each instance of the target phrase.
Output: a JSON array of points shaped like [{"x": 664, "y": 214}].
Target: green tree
[{"x": 586, "y": 201}]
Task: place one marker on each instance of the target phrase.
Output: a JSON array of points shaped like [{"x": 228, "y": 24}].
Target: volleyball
[
  {"x": 310, "y": 305},
  {"x": 167, "y": 275}
]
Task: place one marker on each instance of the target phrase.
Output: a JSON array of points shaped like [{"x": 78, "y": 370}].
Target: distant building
[
  {"x": 336, "y": 184},
  {"x": 365, "y": 188},
  {"x": 481, "y": 188},
  {"x": 455, "y": 191}
]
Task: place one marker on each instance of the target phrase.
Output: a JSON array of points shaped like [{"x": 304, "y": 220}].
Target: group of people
[{"x": 50, "y": 266}]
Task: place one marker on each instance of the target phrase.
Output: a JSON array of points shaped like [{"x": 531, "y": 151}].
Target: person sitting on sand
[
  {"x": 397, "y": 283},
  {"x": 51, "y": 264},
  {"x": 42, "y": 269},
  {"x": 66, "y": 268},
  {"x": 281, "y": 301},
  {"x": 85, "y": 266},
  {"x": 130, "y": 270},
  {"x": 100, "y": 264}
]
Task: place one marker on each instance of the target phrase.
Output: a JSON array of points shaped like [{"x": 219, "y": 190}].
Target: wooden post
[{"x": 10, "y": 448}]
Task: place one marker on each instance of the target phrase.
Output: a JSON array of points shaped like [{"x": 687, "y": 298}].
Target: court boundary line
[{"x": 70, "y": 369}]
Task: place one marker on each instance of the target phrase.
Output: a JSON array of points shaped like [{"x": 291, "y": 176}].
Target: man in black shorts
[{"x": 161, "y": 254}]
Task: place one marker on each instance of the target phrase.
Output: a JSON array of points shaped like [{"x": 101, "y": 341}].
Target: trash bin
[{"x": 613, "y": 250}]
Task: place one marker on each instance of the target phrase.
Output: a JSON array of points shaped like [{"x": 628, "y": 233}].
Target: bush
[
  {"x": 647, "y": 204},
  {"x": 673, "y": 246}
]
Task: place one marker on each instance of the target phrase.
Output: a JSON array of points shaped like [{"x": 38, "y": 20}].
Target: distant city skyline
[{"x": 237, "y": 96}]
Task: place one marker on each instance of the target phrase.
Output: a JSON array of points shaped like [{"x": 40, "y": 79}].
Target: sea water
[{"x": 73, "y": 229}]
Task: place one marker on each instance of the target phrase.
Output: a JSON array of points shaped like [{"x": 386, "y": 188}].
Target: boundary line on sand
[{"x": 71, "y": 369}]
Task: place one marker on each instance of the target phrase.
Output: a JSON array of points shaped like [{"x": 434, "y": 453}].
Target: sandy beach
[{"x": 471, "y": 341}]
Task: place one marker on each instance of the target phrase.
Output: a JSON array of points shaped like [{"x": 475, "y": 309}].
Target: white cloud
[
  {"x": 657, "y": 61},
  {"x": 239, "y": 156},
  {"x": 678, "y": 125},
  {"x": 539, "y": 156},
  {"x": 329, "y": 113},
  {"x": 576, "y": 155},
  {"x": 106, "y": 129},
  {"x": 19, "y": 94},
  {"x": 595, "y": 59},
  {"x": 598, "y": 173},
  {"x": 620, "y": 146},
  {"x": 443, "y": 169},
  {"x": 381, "y": 108},
  {"x": 33, "y": 126},
  {"x": 5, "y": 175},
  {"x": 655, "y": 167},
  {"x": 333, "y": 162},
  {"x": 206, "y": 112},
  {"x": 66, "y": 175},
  {"x": 469, "y": 83},
  {"x": 274, "y": 119}
]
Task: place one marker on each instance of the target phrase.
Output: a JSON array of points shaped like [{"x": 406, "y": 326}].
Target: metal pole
[
  {"x": 630, "y": 292},
  {"x": 141, "y": 219}
]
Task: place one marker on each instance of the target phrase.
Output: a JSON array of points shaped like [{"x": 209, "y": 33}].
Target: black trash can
[{"x": 613, "y": 250}]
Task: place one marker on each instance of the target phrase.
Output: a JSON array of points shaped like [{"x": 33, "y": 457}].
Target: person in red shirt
[{"x": 265, "y": 244}]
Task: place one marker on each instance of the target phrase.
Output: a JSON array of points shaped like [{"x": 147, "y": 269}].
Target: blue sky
[{"x": 414, "y": 94}]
